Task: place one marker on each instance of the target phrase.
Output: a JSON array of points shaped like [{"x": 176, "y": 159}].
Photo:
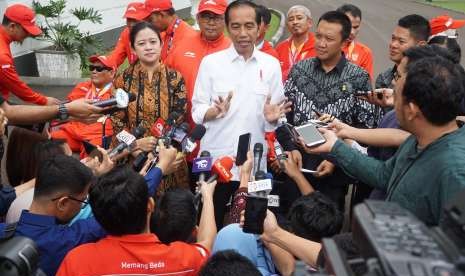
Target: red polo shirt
[
  {"x": 123, "y": 50},
  {"x": 268, "y": 48},
  {"x": 178, "y": 32},
  {"x": 287, "y": 60},
  {"x": 141, "y": 254},
  {"x": 358, "y": 53},
  {"x": 9, "y": 79}
]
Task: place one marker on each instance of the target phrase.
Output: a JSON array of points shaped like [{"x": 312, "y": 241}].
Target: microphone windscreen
[
  {"x": 258, "y": 148},
  {"x": 205, "y": 153},
  {"x": 198, "y": 132},
  {"x": 138, "y": 132}
]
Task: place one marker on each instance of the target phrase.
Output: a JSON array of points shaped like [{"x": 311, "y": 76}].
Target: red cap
[
  {"x": 24, "y": 16},
  {"x": 137, "y": 11},
  {"x": 158, "y": 5},
  {"x": 104, "y": 60},
  {"x": 443, "y": 23},
  {"x": 215, "y": 6}
]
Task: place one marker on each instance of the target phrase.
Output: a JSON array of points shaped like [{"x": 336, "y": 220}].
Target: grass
[{"x": 456, "y": 5}]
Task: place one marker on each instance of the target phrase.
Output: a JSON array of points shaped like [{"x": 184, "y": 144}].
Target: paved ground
[{"x": 379, "y": 19}]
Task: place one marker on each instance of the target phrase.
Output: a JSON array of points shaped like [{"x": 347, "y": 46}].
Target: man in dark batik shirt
[{"x": 328, "y": 83}]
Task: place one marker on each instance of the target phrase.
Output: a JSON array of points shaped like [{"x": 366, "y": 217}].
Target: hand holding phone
[
  {"x": 243, "y": 147},
  {"x": 255, "y": 213},
  {"x": 310, "y": 135}
]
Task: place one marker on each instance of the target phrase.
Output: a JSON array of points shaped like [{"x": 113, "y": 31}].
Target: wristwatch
[{"x": 62, "y": 112}]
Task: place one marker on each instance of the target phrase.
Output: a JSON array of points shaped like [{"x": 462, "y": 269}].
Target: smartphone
[
  {"x": 311, "y": 135},
  {"x": 255, "y": 213},
  {"x": 242, "y": 148},
  {"x": 92, "y": 151}
]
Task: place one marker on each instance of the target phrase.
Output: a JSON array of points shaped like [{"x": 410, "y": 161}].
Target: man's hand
[
  {"x": 166, "y": 157},
  {"x": 343, "y": 131},
  {"x": 3, "y": 122},
  {"x": 297, "y": 156},
  {"x": 246, "y": 168},
  {"x": 291, "y": 167},
  {"x": 325, "y": 168},
  {"x": 326, "y": 118},
  {"x": 326, "y": 147},
  {"x": 270, "y": 225},
  {"x": 383, "y": 97},
  {"x": 273, "y": 112},
  {"x": 97, "y": 167},
  {"x": 222, "y": 105},
  {"x": 207, "y": 189},
  {"x": 82, "y": 109},
  {"x": 276, "y": 166},
  {"x": 146, "y": 144},
  {"x": 52, "y": 101}
]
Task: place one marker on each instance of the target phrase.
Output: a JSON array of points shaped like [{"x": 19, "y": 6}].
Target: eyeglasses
[
  {"x": 206, "y": 17},
  {"x": 98, "y": 68},
  {"x": 83, "y": 202}
]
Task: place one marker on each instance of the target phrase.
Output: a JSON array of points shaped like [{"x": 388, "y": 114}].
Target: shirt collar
[
  {"x": 35, "y": 219},
  {"x": 213, "y": 43},
  {"x": 339, "y": 66},
  {"x": 234, "y": 55},
  {"x": 5, "y": 35},
  {"x": 137, "y": 238},
  {"x": 170, "y": 28}
]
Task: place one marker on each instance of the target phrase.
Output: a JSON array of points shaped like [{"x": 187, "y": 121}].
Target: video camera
[
  {"x": 19, "y": 256},
  {"x": 393, "y": 242}
]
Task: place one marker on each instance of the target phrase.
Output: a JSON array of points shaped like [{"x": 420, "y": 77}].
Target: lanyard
[
  {"x": 295, "y": 53},
  {"x": 93, "y": 95},
  {"x": 171, "y": 38}
]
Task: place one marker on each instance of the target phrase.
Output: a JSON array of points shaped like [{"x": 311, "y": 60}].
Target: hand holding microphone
[{"x": 166, "y": 158}]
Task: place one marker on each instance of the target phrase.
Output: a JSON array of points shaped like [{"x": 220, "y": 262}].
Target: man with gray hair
[{"x": 301, "y": 44}]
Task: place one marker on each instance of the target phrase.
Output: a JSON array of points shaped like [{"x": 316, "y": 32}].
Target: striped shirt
[{"x": 310, "y": 87}]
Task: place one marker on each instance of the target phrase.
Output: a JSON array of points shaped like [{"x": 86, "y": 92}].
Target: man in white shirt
[{"x": 233, "y": 94}]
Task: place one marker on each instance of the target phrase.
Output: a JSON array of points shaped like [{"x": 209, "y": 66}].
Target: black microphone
[
  {"x": 170, "y": 122},
  {"x": 126, "y": 140},
  {"x": 191, "y": 142},
  {"x": 121, "y": 100},
  {"x": 257, "y": 156}
]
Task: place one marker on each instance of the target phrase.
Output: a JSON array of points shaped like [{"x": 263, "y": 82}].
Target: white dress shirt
[{"x": 250, "y": 81}]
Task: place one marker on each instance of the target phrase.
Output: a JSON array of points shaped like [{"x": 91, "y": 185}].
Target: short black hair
[
  {"x": 229, "y": 263},
  {"x": 451, "y": 45},
  {"x": 435, "y": 84},
  {"x": 119, "y": 201},
  {"x": 61, "y": 173},
  {"x": 240, "y": 3},
  {"x": 175, "y": 216},
  {"x": 315, "y": 216},
  {"x": 139, "y": 27},
  {"x": 352, "y": 9},
  {"x": 265, "y": 14},
  {"x": 6, "y": 21},
  {"x": 339, "y": 18},
  {"x": 417, "y": 25}
]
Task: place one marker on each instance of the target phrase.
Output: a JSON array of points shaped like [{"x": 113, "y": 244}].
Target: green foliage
[{"x": 66, "y": 36}]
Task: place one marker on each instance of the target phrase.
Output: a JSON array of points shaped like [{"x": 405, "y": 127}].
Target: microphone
[
  {"x": 257, "y": 156},
  {"x": 121, "y": 100},
  {"x": 170, "y": 128},
  {"x": 158, "y": 128},
  {"x": 126, "y": 140},
  {"x": 180, "y": 132},
  {"x": 221, "y": 170},
  {"x": 190, "y": 143},
  {"x": 202, "y": 165}
]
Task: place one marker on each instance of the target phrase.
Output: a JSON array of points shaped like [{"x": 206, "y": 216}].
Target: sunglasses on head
[{"x": 98, "y": 68}]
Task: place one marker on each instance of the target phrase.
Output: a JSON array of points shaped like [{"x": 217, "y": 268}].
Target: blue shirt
[
  {"x": 55, "y": 240},
  {"x": 153, "y": 179}
]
